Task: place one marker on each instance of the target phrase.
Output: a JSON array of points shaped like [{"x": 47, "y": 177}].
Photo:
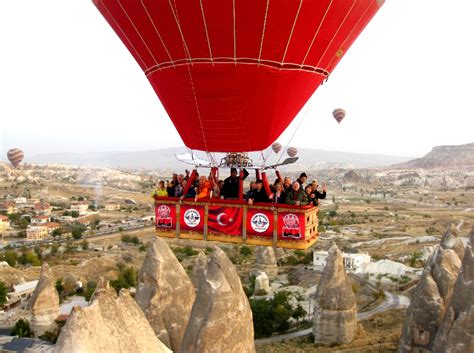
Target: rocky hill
[
  {"x": 164, "y": 159},
  {"x": 443, "y": 157}
]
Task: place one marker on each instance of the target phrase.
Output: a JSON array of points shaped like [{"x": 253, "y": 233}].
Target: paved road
[{"x": 391, "y": 301}]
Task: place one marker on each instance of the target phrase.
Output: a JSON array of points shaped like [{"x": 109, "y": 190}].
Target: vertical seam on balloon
[
  {"x": 156, "y": 30},
  {"x": 291, "y": 33},
  {"x": 136, "y": 30},
  {"x": 205, "y": 29},
  {"x": 125, "y": 36},
  {"x": 175, "y": 14},
  {"x": 186, "y": 50},
  {"x": 316, "y": 34},
  {"x": 335, "y": 34},
  {"x": 353, "y": 28},
  {"x": 263, "y": 30},
  {"x": 235, "y": 34}
]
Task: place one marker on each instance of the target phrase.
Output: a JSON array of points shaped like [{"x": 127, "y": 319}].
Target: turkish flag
[{"x": 226, "y": 220}]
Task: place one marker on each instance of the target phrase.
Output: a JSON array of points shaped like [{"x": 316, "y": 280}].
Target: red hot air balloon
[
  {"x": 15, "y": 156},
  {"x": 276, "y": 147},
  {"x": 292, "y": 151},
  {"x": 339, "y": 114},
  {"x": 223, "y": 69}
]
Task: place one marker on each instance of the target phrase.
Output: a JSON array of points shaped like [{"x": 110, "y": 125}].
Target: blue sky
[{"x": 67, "y": 84}]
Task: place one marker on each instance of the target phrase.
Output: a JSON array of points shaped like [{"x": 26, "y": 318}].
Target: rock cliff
[
  {"x": 335, "y": 311},
  {"x": 221, "y": 318},
  {"x": 165, "y": 293},
  {"x": 108, "y": 324}
]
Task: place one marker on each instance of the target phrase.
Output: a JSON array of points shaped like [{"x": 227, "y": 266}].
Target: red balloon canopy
[{"x": 233, "y": 74}]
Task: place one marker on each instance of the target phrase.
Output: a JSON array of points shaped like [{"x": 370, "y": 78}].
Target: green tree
[
  {"x": 3, "y": 293},
  {"x": 59, "y": 286},
  {"x": 84, "y": 245},
  {"x": 57, "y": 232},
  {"x": 77, "y": 231},
  {"x": 10, "y": 256},
  {"x": 298, "y": 314},
  {"x": 91, "y": 286},
  {"x": 54, "y": 249},
  {"x": 30, "y": 258},
  {"x": 74, "y": 214},
  {"x": 22, "y": 329},
  {"x": 128, "y": 277},
  {"x": 245, "y": 251},
  {"x": 271, "y": 315}
]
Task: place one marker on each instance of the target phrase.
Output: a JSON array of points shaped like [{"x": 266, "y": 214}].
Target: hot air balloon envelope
[
  {"x": 339, "y": 114},
  {"x": 15, "y": 156},
  {"x": 232, "y": 75},
  {"x": 276, "y": 147},
  {"x": 292, "y": 151}
]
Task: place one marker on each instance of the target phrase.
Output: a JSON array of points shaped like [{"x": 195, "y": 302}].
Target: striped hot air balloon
[
  {"x": 15, "y": 156},
  {"x": 276, "y": 147},
  {"x": 339, "y": 114},
  {"x": 292, "y": 151}
]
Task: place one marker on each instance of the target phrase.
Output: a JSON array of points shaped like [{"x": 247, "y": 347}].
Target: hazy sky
[{"x": 68, "y": 84}]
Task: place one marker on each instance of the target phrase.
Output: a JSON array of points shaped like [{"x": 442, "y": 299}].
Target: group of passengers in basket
[{"x": 283, "y": 190}]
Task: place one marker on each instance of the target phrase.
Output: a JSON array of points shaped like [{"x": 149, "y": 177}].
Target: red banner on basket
[
  {"x": 225, "y": 220},
  {"x": 165, "y": 216},
  {"x": 291, "y": 226},
  {"x": 192, "y": 218},
  {"x": 260, "y": 223}
]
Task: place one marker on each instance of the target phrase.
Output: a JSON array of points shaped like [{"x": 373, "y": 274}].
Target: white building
[
  {"x": 22, "y": 291},
  {"x": 80, "y": 207},
  {"x": 112, "y": 207},
  {"x": 21, "y": 200},
  {"x": 351, "y": 261},
  {"x": 39, "y": 220}
]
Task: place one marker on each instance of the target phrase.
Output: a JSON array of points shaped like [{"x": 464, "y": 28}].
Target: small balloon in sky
[{"x": 339, "y": 114}]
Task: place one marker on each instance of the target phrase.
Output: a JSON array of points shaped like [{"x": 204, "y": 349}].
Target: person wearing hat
[{"x": 302, "y": 180}]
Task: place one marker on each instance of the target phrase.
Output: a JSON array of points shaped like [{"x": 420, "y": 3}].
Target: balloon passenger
[
  {"x": 204, "y": 189},
  {"x": 296, "y": 196},
  {"x": 302, "y": 180},
  {"x": 317, "y": 194},
  {"x": 259, "y": 194},
  {"x": 230, "y": 189},
  {"x": 279, "y": 195},
  {"x": 160, "y": 191}
]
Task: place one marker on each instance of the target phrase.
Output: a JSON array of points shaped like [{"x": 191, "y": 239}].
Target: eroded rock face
[
  {"x": 432, "y": 295},
  {"x": 335, "y": 309},
  {"x": 165, "y": 293},
  {"x": 221, "y": 319},
  {"x": 266, "y": 261},
  {"x": 199, "y": 269},
  {"x": 456, "y": 333},
  {"x": 44, "y": 304},
  {"x": 262, "y": 284},
  {"x": 108, "y": 324}
]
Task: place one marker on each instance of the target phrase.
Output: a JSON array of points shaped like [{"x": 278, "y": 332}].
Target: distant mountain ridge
[
  {"x": 164, "y": 159},
  {"x": 443, "y": 157}
]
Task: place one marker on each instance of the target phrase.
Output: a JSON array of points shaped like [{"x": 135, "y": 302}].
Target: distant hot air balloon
[
  {"x": 15, "y": 156},
  {"x": 276, "y": 147},
  {"x": 339, "y": 114},
  {"x": 292, "y": 151},
  {"x": 220, "y": 67}
]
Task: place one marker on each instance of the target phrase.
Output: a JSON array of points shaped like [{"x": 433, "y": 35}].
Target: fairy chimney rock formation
[
  {"x": 335, "y": 311},
  {"x": 199, "y": 269},
  {"x": 221, "y": 319},
  {"x": 165, "y": 293},
  {"x": 44, "y": 304},
  {"x": 432, "y": 295},
  {"x": 262, "y": 284},
  {"x": 266, "y": 261},
  {"x": 456, "y": 333},
  {"x": 108, "y": 324}
]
